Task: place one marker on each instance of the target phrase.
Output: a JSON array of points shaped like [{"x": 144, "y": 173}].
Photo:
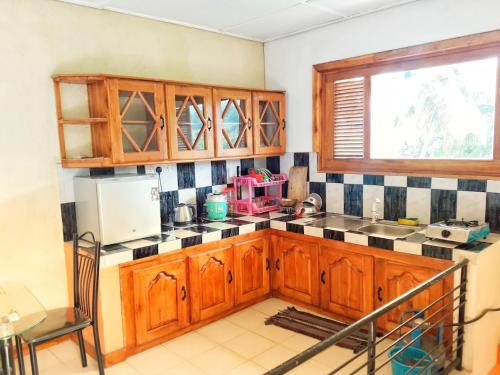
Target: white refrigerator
[{"x": 118, "y": 208}]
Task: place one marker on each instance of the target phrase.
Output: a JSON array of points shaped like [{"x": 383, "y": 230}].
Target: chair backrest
[{"x": 86, "y": 274}]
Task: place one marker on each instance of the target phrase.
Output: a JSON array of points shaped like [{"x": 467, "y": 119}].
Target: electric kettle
[{"x": 184, "y": 214}]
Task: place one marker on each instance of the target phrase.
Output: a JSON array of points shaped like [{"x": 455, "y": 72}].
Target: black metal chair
[{"x": 66, "y": 320}]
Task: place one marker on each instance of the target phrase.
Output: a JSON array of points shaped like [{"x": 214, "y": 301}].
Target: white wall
[{"x": 289, "y": 61}]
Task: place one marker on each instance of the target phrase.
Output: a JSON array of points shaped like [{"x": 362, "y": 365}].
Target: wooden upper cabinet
[
  {"x": 160, "y": 300},
  {"x": 233, "y": 124},
  {"x": 296, "y": 270},
  {"x": 346, "y": 282},
  {"x": 252, "y": 269},
  {"x": 137, "y": 116},
  {"x": 190, "y": 122},
  {"x": 269, "y": 122},
  {"x": 212, "y": 283}
]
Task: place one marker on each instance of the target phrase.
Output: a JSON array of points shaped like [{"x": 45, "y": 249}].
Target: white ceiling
[{"x": 261, "y": 20}]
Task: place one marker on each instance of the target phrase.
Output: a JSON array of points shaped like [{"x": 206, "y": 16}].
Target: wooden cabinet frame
[{"x": 279, "y": 135}]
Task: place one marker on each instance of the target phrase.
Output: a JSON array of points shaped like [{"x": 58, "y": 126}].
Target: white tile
[
  {"x": 275, "y": 215},
  {"x": 247, "y": 368},
  {"x": 493, "y": 186},
  {"x": 187, "y": 196},
  {"x": 471, "y": 205},
  {"x": 154, "y": 361},
  {"x": 359, "y": 239},
  {"x": 335, "y": 198},
  {"x": 249, "y": 345},
  {"x": 218, "y": 361},
  {"x": 46, "y": 360},
  {"x": 247, "y": 228},
  {"x": 418, "y": 204},
  {"x": 274, "y": 356},
  {"x": 444, "y": 183},
  {"x": 270, "y": 306},
  {"x": 168, "y": 175},
  {"x": 185, "y": 368},
  {"x": 220, "y": 225},
  {"x": 280, "y": 225},
  {"x": 221, "y": 331},
  {"x": 314, "y": 176},
  {"x": 401, "y": 181},
  {"x": 248, "y": 318},
  {"x": 370, "y": 194},
  {"x": 66, "y": 351},
  {"x": 286, "y": 162},
  {"x": 122, "y": 368},
  {"x": 408, "y": 247},
  {"x": 231, "y": 166},
  {"x": 184, "y": 233},
  {"x": 313, "y": 231},
  {"x": 168, "y": 246},
  {"x": 218, "y": 189},
  {"x": 299, "y": 343},
  {"x": 252, "y": 219},
  {"x": 113, "y": 259},
  {"x": 203, "y": 173},
  {"x": 353, "y": 179},
  {"x": 211, "y": 236},
  {"x": 189, "y": 345},
  {"x": 274, "y": 333},
  {"x": 139, "y": 243}
]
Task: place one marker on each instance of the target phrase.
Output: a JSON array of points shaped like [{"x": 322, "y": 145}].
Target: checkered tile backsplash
[{"x": 429, "y": 198}]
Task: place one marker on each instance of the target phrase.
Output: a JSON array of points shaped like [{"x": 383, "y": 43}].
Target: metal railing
[{"x": 447, "y": 312}]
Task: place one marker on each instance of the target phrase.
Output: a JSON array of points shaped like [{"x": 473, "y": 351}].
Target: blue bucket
[{"x": 402, "y": 363}]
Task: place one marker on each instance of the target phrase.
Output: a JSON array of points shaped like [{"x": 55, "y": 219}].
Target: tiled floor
[{"x": 238, "y": 345}]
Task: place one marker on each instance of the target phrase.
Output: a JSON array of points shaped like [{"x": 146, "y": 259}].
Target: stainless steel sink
[{"x": 393, "y": 231}]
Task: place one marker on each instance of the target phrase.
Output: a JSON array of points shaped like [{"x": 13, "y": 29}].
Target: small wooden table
[{"x": 19, "y": 312}]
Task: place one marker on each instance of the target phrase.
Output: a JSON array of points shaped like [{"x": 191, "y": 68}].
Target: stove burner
[{"x": 461, "y": 223}]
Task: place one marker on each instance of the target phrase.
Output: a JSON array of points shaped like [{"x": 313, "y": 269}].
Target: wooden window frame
[{"x": 449, "y": 51}]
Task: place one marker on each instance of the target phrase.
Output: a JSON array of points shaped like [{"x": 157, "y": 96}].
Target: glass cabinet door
[
  {"x": 233, "y": 122},
  {"x": 190, "y": 122},
  {"x": 269, "y": 115},
  {"x": 140, "y": 120}
]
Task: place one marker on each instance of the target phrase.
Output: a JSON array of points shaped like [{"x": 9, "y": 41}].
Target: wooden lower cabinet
[
  {"x": 346, "y": 282},
  {"x": 160, "y": 302},
  {"x": 252, "y": 269},
  {"x": 296, "y": 270},
  {"x": 211, "y": 279},
  {"x": 395, "y": 277}
]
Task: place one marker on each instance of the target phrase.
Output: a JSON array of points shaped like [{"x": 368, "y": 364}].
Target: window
[{"x": 428, "y": 109}]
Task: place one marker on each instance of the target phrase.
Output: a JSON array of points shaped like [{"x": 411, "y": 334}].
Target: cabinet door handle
[
  {"x": 278, "y": 264},
  {"x": 379, "y": 294},
  {"x": 323, "y": 274},
  {"x": 284, "y": 124},
  {"x": 183, "y": 293},
  {"x": 162, "y": 118},
  {"x": 229, "y": 277},
  {"x": 209, "y": 122},
  {"x": 249, "y": 123},
  {"x": 268, "y": 264}
]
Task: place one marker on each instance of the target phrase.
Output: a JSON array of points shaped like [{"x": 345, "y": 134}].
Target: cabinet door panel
[
  {"x": 297, "y": 270},
  {"x": 191, "y": 134},
  {"x": 347, "y": 282},
  {"x": 233, "y": 123},
  {"x": 138, "y": 119},
  {"x": 211, "y": 281},
  {"x": 160, "y": 300},
  {"x": 251, "y": 265},
  {"x": 269, "y": 119}
]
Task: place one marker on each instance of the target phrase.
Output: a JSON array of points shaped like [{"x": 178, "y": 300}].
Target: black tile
[
  {"x": 301, "y": 159},
  {"x": 273, "y": 164},
  {"x": 295, "y": 228},
  {"x": 185, "y": 175},
  {"x": 333, "y": 234},
  {"x": 369, "y": 179},
  {"x": 230, "y": 232},
  {"x": 419, "y": 182},
  {"x": 474, "y": 246},
  {"x": 353, "y": 199},
  {"x": 68, "y": 215},
  {"x": 141, "y": 169},
  {"x": 263, "y": 225},
  {"x": 168, "y": 201},
  {"x": 145, "y": 251},
  {"x": 246, "y": 164},
  {"x": 191, "y": 241},
  {"x": 394, "y": 202},
  {"x": 472, "y": 185},
  {"x": 437, "y": 252},
  {"x": 201, "y": 229},
  {"x": 219, "y": 172},
  {"x": 335, "y": 177},
  {"x": 102, "y": 171},
  {"x": 201, "y": 197},
  {"x": 493, "y": 211},
  {"x": 320, "y": 189},
  {"x": 443, "y": 205},
  {"x": 382, "y": 243},
  {"x": 284, "y": 189},
  {"x": 416, "y": 238}
]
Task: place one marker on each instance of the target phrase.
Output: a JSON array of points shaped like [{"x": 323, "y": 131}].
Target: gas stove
[{"x": 458, "y": 230}]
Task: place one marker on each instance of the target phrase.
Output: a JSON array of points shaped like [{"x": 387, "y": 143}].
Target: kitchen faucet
[{"x": 375, "y": 215}]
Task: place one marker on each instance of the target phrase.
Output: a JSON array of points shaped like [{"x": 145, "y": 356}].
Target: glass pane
[
  {"x": 233, "y": 123},
  {"x": 270, "y": 123},
  {"x": 138, "y": 121},
  {"x": 190, "y": 122},
  {"x": 443, "y": 112}
]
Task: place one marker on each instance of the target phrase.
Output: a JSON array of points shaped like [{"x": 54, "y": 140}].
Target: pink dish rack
[{"x": 257, "y": 205}]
